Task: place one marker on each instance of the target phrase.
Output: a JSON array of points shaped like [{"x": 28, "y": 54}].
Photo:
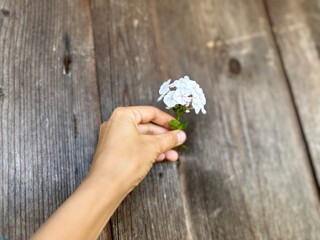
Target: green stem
[{"x": 178, "y": 116}]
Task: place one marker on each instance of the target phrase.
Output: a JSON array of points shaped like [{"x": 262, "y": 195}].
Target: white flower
[
  {"x": 182, "y": 96},
  {"x": 194, "y": 87},
  {"x": 169, "y": 99},
  {"x": 183, "y": 91},
  {"x": 164, "y": 89},
  {"x": 197, "y": 104},
  {"x": 182, "y": 82}
]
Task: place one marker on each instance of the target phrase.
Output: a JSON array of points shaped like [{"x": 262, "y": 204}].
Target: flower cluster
[
  {"x": 183, "y": 92},
  {"x": 181, "y": 96}
]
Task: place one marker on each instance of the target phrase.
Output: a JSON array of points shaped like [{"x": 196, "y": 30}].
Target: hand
[{"x": 131, "y": 141}]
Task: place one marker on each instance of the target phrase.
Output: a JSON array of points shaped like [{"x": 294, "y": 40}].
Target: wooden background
[{"x": 253, "y": 167}]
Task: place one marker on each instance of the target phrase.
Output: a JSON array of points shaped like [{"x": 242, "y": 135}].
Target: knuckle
[
  {"x": 162, "y": 144},
  {"x": 119, "y": 111},
  {"x": 159, "y": 147},
  {"x": 172, "y": 139},
  {"x": 104, "y": 125},
  {"x": 155, "y": 145},
  {"x": 137, "y": 111}
]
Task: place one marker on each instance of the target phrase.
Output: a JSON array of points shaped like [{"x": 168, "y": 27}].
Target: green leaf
[
  {"x": 182, "y": 147},
  {"x": 174, "y": 124},
  {"x": 183, "y": 126}
]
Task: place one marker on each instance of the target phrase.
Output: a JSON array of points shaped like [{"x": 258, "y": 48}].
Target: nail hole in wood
[
  {"x": 67, "y": 55},
  {"x": 66, "y": 63},
  {"x": 160, "y": 174},
  {"x": 234, "y": 66}
]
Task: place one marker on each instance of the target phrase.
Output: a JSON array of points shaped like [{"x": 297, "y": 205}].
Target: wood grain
[
  {"x": 296, "y": 28},
  {"x": 247, "y": 173},
  {"x": 129, "y": 72},
  {"x": 49, "y": 109}
]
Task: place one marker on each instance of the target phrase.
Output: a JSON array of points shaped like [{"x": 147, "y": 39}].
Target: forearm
[{"x": 85, "y": 213}]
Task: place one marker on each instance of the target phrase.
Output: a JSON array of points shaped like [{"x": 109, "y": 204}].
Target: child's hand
[{"x": 131, "y": 141}]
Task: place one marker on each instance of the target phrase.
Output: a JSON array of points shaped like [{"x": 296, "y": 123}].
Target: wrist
[
  {"x": 123, "y": 175},
  {"x": 104, "y": 187},
  {"x": 106, "y": 184}
]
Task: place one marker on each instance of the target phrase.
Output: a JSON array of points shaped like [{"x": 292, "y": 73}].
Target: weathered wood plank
[
  {"x": 296, "y": 27},
  {"x": 49, "y": 108},
  {"x": 129, "y": 73},
  {"x": 247, "y": 173}
]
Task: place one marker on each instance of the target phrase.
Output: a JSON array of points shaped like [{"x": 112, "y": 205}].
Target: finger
[
  {"x": 169, "y": 140},
  {"x": 171, "y": 155},
  {"x": 146, "y": 114},
  {"x": 161, "y": 157},
  {"x": 151, "y": 128}
]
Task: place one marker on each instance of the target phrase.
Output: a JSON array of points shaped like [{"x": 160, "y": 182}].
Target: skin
[{"x": 130, "y": 142}]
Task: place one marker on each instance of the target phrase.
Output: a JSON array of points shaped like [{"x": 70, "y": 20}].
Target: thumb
[{"x": 170, "y": 140}]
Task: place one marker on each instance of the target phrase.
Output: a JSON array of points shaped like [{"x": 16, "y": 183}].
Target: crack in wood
[
  {"x": 231, "y": 41},
  {"x": 186, "y": 208},
  {"x": 75, "y": 126},
  {"x": 291, "y": 28},
  {"x": 311, "y": 166},
  {"x": 1, "y": 93}
]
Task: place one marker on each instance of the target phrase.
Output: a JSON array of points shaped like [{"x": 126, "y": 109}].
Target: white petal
[
  {"x": 199, "y": 90},
  {"x": 169, "y": 100},
  {"x": 194, "y": 84},
  {"x": 160, "y": 98},
  {"x": 203, "y": 99},
  {"x": 178, "y": 97},
  {"x": 182, "y": 83},
  {"x": 186, "y": 77},
  {"x": 165, "y": 87},
  {"x": 198, "y": 96},
  {"x": 186, "y": 90},
  {"x": 178, "y": 83},
  {"x": 196, "y": 104}
]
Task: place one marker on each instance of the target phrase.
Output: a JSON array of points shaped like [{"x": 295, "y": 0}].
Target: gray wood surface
[
  {"x": 296, "y": 27},
  {"x": 49, "y": 109},
  {"x": 129, "y": 72},
  {"x": 247, "y": 173},
  {"x": 65, "y": 65}
]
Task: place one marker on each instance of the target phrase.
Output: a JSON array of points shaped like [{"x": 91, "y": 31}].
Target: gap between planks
[
  {"x": 108, "y": 226},
  {"x": 310, "y": 164}
]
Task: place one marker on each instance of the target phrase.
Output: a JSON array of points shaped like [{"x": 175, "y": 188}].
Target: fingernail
[{"x": 181, "y": 137}]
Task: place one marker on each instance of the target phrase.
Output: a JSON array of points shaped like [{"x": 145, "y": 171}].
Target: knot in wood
[
  {"x": 234, "y": 66},
  {"x": 5, "y": 12}
]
